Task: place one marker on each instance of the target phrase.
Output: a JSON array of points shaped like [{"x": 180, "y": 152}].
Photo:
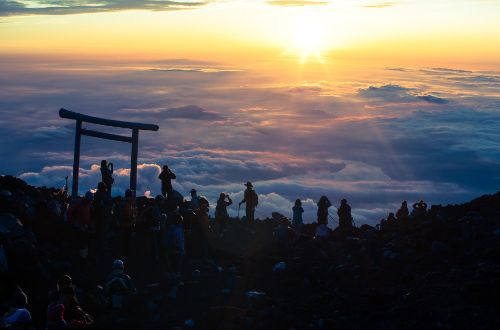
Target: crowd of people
[{"x": 180, "y": 229}]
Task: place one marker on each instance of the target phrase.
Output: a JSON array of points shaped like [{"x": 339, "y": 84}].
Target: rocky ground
[{"x": 439, "y": 271}]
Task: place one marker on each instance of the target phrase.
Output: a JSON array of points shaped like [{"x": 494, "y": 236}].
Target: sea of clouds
[{"x": 374, "y": 136}]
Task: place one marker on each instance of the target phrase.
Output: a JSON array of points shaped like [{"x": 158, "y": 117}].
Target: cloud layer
[
  {"x": 69, "y": 7},
  {"x": 403, "y": 133}
]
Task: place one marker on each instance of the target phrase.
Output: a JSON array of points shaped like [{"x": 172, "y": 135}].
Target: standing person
[
  {"x": 107, "y": 174},
  {"x": 127, "y": 221},
  {"x": 195, "y": 200},
  {"x": 419, "y": 209},
  {"x": 344, "y": 213},
  {"x": 221, "y": 215},
  {"x": 79, "y": 212},
  {"x": 402, "y": 214},
  {"x": 102, "y": 206},
  {"x": 323, "y": 205},
  {"x": 166, "y": 176},
  {"x": 251, "y": 200},
  {"x": 297, "y": 214}
]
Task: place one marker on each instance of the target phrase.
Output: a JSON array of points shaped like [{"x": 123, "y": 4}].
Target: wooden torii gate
[{"x": 79, "y": 131}]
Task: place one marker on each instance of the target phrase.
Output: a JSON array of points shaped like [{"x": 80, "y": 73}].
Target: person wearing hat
[
  {"x": 251, "y": 200},
  {"x": 166, "y": 176}
]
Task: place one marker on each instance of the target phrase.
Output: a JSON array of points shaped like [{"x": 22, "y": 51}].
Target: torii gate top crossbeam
[
  {"x": 63, "y": 113},
  {"x": 79, "y": 131}
]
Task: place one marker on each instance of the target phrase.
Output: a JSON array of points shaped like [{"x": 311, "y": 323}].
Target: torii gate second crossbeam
[{"x": 79, "y": 131}]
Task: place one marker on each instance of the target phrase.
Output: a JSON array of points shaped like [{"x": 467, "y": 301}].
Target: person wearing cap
[
  {"x": 118, "y": 285},
  {"x": 344, "y": 213},
  {"x": 251, "y": 200},
  {"x": 166, "y": 176}
]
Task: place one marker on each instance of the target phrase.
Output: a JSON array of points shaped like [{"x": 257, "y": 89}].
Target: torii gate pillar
[{"x": 79, "y": 131}]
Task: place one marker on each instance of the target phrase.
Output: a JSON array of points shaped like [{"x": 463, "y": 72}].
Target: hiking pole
[{"x": 333, "y": 219}]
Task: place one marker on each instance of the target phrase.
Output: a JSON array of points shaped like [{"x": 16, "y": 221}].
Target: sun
[{"x": 308, "y": 41}]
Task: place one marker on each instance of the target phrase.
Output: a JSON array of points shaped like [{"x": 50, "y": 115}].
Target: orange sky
[{"x": 417, "y": 33}]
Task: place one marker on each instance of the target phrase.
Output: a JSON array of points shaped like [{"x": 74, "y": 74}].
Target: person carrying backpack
[
  {"x": 251, "y": 200},
  {"x": 118, "y": 285}
]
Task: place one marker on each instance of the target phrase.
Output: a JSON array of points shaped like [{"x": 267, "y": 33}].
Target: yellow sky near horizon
[{"x": 424, "y": 32}]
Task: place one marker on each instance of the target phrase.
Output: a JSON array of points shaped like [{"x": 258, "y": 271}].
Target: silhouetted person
[
  {"x": 102, "y": 206},
  {"x": 323, "y": 205},
  {"x": 251, "y": 201},
  {"x": 195, "y": 200},
  {"x": 17, "y": 316},
  {"x": 127, "y": 220},
  {"x": 74, "y": 315},
  {"x": 402, "y": 214},
  {"x": 297, "y": 214},
  {"x": 107, "y": 175},
  {"x": 79, "y": 212},
  {"x": 344, "y": 213},
  {"x": 419, "y": 209},
  {"x": 174, "y": 240},
  {"x": 391, "y": 219},
  {"x": 221, "y": 215},
  {"x": 118, "y": 285},
  {"x": 166, "y": 176}
]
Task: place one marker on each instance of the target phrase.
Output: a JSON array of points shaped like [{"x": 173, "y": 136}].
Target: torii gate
[{"x": 79, "y": 131}]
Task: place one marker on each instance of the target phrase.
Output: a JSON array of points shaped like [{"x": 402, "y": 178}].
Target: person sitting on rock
[
  {"x": 221, "y": 215},
  {"x": 166, "y": 176},
  {"x": 297, "y": 215},
  {"x": 403, "y": 213},
  {"x": 323, "y": 205},
  {"x": 344, "y": 213},
  {"x": 17, "y": 317},
  {"x": 118, "y": 285},
  {"x": 74, "y": 315}
]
